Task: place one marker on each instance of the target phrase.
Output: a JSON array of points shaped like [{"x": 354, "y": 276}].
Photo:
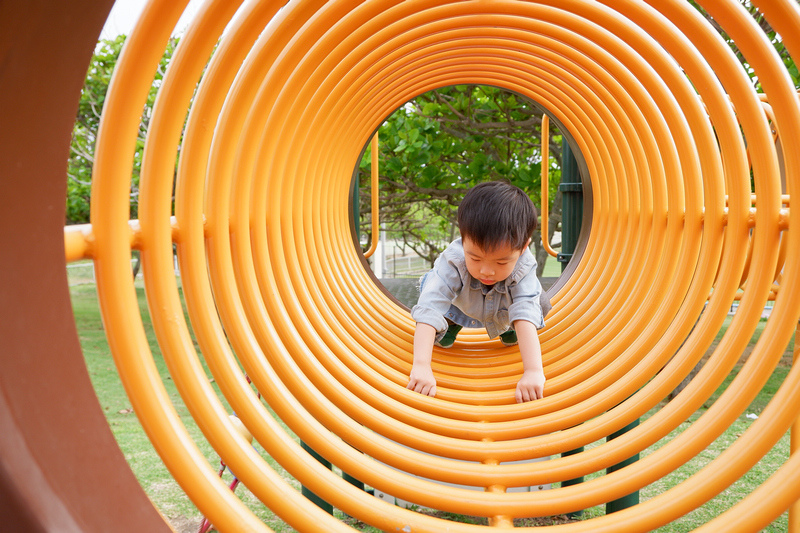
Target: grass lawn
[
  {"x": 552, "y": 268},
  {"x": 184, "y": 517}
]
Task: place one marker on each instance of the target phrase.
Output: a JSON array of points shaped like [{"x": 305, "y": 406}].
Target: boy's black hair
[{"x": 496, "y": 213}]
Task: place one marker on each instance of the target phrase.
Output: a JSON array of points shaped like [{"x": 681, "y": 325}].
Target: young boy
[{"x": 487, "y": 278}]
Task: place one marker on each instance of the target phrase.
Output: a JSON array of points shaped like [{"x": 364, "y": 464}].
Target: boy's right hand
[{"x": 422, "y": 380}]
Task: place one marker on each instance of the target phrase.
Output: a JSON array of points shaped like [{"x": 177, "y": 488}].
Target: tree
[
  {"x": 772, "y": 35},
  {"x": 442, "y": 143},
  {"x": 87, "y": 124}
]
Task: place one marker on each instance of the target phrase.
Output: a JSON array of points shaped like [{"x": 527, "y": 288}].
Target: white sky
[{"x": 125, "y": 13}]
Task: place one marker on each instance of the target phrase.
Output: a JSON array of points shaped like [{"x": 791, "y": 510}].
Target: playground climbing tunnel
[{"x": 267, "y": 107}]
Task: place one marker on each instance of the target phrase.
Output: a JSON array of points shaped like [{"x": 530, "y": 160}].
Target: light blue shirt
[{"x": 450, "y": 292}]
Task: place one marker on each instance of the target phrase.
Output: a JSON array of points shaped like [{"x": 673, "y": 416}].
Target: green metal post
[
  {"x": 322, "y": 504},
  {"x": 571, "y": 188},
  {"x": 353, "y": 481},
  {"x": 356, "y": 483},
  {"x": 575, "y": 481},
  {"x": 633, "y": 498}
]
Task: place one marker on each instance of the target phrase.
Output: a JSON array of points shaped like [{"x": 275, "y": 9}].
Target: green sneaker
[
  {"x": 509, "y": 338},
  {"x": 449, "y": 337}
]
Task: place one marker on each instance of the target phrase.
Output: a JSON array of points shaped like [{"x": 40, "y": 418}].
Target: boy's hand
[
  {"x": 530, "y": 387},
  {"x": 422, "y": 380}
]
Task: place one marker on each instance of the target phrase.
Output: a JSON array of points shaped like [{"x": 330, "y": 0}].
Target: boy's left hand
[{"x": 530, "y": 387}]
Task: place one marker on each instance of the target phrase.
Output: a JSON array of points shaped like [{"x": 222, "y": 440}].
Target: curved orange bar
[
  {"x": 375, "y": 199},
  {"x": 275, "y": 286},
  {"x": 545, "y": 177}
]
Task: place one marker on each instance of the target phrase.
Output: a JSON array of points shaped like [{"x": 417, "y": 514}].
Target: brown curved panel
[{"x": 60, "y": 467}]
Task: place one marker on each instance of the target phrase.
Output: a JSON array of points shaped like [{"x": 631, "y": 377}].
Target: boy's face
[{"x": 489, "y": 267}]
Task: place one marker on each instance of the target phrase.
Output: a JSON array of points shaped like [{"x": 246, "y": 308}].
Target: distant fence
[
  {"x": 409, "y": 266},
  {"x": 81, "y": 272}
]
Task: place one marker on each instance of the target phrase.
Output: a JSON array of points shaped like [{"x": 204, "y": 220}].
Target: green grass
[
  {"x": 173, "y": 503},
  {"x": 151, "y": 472},
  {"x": 552, "y": 268}
]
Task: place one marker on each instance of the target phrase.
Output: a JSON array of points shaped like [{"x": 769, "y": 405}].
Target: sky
[{"x": 125, "y": 13}]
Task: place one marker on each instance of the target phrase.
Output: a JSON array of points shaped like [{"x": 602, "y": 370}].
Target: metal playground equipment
[{"x": 281, "y": 99}]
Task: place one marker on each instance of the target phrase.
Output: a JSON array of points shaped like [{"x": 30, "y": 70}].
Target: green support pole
[
  {"x": 322, "y": 504},
  {"x": 571, "y": 189},
  {"x": 633, "y": 498},
  {"x": 576, "y": 515},
  {"x": 353, "y": 481},
  {"x": 356, "y": 483}
]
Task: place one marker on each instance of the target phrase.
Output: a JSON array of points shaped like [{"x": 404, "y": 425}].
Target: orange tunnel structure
[{"x": 688, "y": 193}]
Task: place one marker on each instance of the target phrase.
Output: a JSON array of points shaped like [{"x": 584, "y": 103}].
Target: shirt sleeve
[
  {"x": 525, "y": 304},
  {"x": 437, "y": 292}
]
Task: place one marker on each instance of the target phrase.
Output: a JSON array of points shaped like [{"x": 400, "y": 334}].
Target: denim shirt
[{"x": 450, "y": 292}]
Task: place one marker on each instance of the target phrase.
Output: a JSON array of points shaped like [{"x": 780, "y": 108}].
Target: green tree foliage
[
  {"x": 443, "y": 142},
  {"x": 432, "y": 149},
  {"x": 87, "y": 124},
  {"x": 771, "y": 34}
]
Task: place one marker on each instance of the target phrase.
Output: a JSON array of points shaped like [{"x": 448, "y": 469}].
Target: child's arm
[
  {"x": 531, "y": 385},
  {"x": 421, "y": 378}
]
